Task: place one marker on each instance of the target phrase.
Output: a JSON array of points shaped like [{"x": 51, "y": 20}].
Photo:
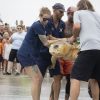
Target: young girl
[{"x": 6, "y": 50}]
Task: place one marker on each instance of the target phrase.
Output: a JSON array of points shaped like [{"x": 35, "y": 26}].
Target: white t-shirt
[
  {"x": 90, "y": 29},
  {"x": 17, "y": 39}
]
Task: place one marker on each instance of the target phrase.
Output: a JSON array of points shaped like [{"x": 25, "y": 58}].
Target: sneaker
[
  {"x": 17, "y": 74},
  {"x": 6, "y": 73}
]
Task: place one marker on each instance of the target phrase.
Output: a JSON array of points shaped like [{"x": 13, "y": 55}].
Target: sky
[{"x": 28, "y": 10}]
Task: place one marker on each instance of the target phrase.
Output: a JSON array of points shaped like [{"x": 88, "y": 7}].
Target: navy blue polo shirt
[
  {"x": 56, "y": 32},
  {"x": 32, "y": 44}
]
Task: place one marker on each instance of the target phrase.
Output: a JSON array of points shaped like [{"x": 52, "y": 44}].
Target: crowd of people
[
  {"x": 10, "y": 41},
  {"x": 29, "y": 49}
]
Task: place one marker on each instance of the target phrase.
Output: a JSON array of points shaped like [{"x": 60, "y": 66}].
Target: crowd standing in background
[
  {"x": 7, "y": 34},
  {"x": 16, "y": 40},
  {"x": 27, "y": 48}
]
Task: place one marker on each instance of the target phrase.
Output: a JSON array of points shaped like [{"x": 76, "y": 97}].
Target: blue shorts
[
  {"x": 56, "y": 70},
  {"x": 43, "y": 63},
  {"x": 26, "y": 60}
]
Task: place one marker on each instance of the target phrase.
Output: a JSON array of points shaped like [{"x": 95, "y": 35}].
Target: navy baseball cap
[{"x": 58, "y": 6}]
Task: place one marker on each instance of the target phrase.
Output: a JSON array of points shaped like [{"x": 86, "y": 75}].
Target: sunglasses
[
  {"x": 45, "y": 19},
  {"x": 19, "y": 28}
]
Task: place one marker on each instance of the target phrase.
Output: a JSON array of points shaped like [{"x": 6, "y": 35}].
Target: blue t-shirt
[
  {"x": 32, "y": 44},
  {"x": 56, "y": 32}
]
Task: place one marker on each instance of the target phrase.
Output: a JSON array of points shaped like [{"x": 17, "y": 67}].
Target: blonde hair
[
  {"x": 44, "y": 10},
  {"x": 6, "y": 35},
  {"x": 85, "y": 5}
]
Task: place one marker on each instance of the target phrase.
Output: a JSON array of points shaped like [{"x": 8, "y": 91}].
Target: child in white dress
[{"x": 6, "y": 51}]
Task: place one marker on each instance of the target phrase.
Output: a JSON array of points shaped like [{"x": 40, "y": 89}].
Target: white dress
[{"x": 7, "y": 50}]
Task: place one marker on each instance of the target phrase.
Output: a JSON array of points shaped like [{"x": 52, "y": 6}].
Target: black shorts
[
  {"x": 13, "y": 55},
  {"x": 87, "y": 65},
  {"x": 1, "y": 58}
]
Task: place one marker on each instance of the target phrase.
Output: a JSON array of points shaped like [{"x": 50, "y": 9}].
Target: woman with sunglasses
[
  {"x": 16, "y": 40},
  {"x": 34, "y": 54}
]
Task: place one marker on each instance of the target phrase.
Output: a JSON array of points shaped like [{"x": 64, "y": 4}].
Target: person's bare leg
[
  {"x": 52, "y": 92},
  {"x": 36, "y": 81},
  {"x": 9, "y": 67},
  {"x": 5, "y": 66},
  {"x": 57, "y": 86},
  {"x": 94, "y": 89},
  {"x": 74, "y": 89},
  {"x": 18, "y": 67}
]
